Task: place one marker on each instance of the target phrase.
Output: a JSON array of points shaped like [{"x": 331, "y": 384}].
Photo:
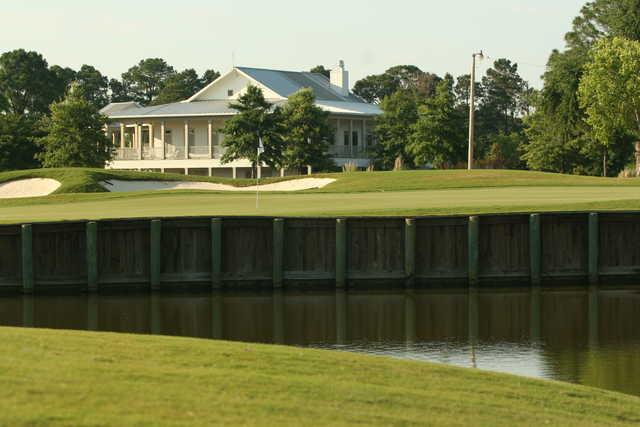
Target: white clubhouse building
[{"x": 185, "y": 137}]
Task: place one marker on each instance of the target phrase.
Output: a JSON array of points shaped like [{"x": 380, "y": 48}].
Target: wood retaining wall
[{"x": 275, "y": 252}]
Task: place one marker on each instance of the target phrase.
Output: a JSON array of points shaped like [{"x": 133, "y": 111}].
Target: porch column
[
  {"x": 151, "y": 140},
  {"x": 186, "y": 139},
  {"x": 364, "y": 135},
  {"x": 351, "y": 136},
  {"x": 210, "y": 137},
  {"x": 122, "y": 130},
  {"x": 139, "y": 140},
  {"x": 336, "y": 138},
  {"x": 164, "y": 147}
]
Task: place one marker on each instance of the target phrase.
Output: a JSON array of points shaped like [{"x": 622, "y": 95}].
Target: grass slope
[
  {"x": 356, "y": 194},
  {"x": 79, "y": 378},
  {"x": 86, "y": 180}
]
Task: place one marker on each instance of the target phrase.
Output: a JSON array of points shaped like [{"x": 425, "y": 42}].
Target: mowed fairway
[
  {"x": 360, "y": 194},
  {"x": 426, "y": 202}
]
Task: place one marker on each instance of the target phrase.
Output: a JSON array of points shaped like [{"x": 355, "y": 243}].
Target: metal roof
[{"x": 284, "y": 83}]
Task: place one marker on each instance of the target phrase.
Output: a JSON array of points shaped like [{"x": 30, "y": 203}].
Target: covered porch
[{"x": 169, "y": 139}]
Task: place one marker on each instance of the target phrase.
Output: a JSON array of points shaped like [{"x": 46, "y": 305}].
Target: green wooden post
[
  {"x": 473, "y": 247},
  {"x": 341, "y": 253},
  {"x": 341, "y": 316},
  {"x": 156, "y": 242},
  {"x": 216, "y": 253},
  {"x": 278, "y": 252},
  {"x": 593, "y": 248},
  {"x": 535, "y": 249},
  {"x": 27, "y": 259},
  {"x": 410, "y": 250},
  {"x": 92, "y": 256}
]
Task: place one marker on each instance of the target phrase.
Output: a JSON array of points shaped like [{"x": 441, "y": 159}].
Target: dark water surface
[{"x": 582, "y": 335}]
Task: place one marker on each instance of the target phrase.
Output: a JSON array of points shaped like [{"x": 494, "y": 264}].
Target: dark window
[
  {"x": 346, "y": 137},
  {"x": 167, "y": 137},
  {"x": 354, "y": 137},
  {"x": 230, "y": 92}
]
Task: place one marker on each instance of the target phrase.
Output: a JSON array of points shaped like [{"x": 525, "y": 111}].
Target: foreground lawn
[{"x": 78, "y": 378}]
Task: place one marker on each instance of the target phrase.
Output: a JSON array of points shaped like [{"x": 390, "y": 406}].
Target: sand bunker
[
  {"x": 32, "y": 187},
  {"x": 117, "y": 186}
]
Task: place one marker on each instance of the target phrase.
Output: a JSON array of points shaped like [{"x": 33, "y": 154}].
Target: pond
[{"x": 583, "y": 335}]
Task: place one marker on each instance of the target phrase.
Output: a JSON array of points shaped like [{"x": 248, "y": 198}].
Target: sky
[{"x": 370, "y": 36}]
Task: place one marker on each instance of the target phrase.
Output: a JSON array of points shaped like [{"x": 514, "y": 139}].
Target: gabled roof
[
  {"x": 286, "y": 83},
  {"x": 282, "y": 83},
  {"x": 115, "y": 107}
]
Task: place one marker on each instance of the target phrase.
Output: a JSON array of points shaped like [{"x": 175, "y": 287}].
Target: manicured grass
[
  {"x": 79, "y": 378},
  {"x": 409, "y": 193},
  {"x": 85, "y": 180}
]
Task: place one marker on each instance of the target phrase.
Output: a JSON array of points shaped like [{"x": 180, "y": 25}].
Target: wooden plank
[
  {"x": 535, "y": 249},
  {"x": 216, "y": 253},
  {"x": 27, "y": 258},
  {"x": 155, "y": 253},
  {"x": 341, "y": 253},
  {"x": 410, "y": 250},
  {"x": 278, "y": 252},
  {"x": 435, "y": 259},
  {"x": 474, "y": 231},
  {"x": 92, "y": 256},
  {"x": 593, "y": 248}
]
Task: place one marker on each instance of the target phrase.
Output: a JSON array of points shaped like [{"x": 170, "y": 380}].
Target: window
[
  {"x": 369, "y": 139},
  {"x": 230, "y": 92},
  {"x": 346, "y": 137},
  {"x": 192, "y": 137},
  {"x": 354, "y": 137},
  {"x": 167, "y": 137}
]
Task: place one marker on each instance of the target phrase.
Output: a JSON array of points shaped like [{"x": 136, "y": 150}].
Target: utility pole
[{"x": 472, "y": 109}]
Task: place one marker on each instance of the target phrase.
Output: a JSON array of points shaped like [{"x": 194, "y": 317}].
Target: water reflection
[{"x": 583, "y": 335}]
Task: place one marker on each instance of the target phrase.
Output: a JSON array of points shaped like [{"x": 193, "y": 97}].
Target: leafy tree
[
  {"x": 559, "y": 122},
  {"x": 610, "y": 89},
  {"x": 503, "y": 93},
  {"x": 504, "y": 151},
  {"x": 207, "y": 77},
  {"x": 178, "y": 87},
  {"x": 93, "y": 86},
  {"x": 319, "y": 69},
  {"x": 145, "y": 80},
  {"x": 393, "y": 128},
  {"x": 307, "y": 132},
  {"x": 183, "y": 85},
  {"x": 119, "y": 92},
  {"x": 375, "y": 88},
  {"x": 438, "y": 136},
  {"x": 18, "y": 142},
  {"x": 26, "y": 83},
  {"x": 62, "y": 78},
  {"x": 75, "y": 134},
  {"x": 256, "y": 118}
]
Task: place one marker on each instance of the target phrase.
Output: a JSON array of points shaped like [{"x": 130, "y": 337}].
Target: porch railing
[
  {"x": 126, "y": 154},
  {"x": 349, "y": 152}
]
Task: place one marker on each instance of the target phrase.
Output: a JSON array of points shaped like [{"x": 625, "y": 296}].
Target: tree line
[{"x": 584, "y": 120}]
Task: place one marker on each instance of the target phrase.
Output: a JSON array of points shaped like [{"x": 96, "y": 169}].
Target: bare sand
[
  {"x": 118, "y": 186},
  {"x": 32, "y": 187}
]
